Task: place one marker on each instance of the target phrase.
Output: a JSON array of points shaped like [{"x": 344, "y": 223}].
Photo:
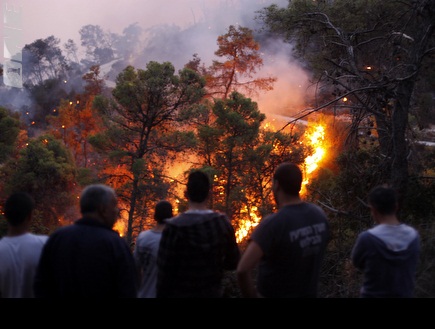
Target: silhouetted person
[
  {"x": 146, "y": 249},
  {"x": 88, "y": 259},
  {"x": 288, "y": 247},
  {"x": 196, "y": 247},
  {"x": 388, "y": 253},
  {"x": 19, "y": 249}
]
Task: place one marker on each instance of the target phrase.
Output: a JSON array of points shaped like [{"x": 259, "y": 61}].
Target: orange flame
[
  {"x": 246, "y": 226},
  {"x": 315, "y": 137},
  {"x": 120, "y": 226}
]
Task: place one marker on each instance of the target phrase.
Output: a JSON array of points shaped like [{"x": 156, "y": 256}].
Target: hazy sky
[{"x": 64, "y": 18}]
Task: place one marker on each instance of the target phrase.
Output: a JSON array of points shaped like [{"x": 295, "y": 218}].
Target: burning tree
[
  {"x": 73, "y": 121},
  {"x": 243, "y": 60},
  {"x": 369, "y": 54}
]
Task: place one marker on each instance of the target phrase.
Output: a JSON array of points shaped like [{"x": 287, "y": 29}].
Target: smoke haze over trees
[
  {"x": 117, "y": 32},
  {"x": 136, "y": 98}
]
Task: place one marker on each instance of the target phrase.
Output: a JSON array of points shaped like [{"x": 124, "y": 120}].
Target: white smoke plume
[{"x": 180, "y": 28}]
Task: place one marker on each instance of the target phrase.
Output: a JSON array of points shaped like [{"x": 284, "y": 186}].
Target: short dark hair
[
  {"x": 18, "y": 207},
  {"x": 289, "y": 177},
  {"x": 163, "y": 210},
  {"x": 384, "y": 199},
  {"x": 94, "y": 196},
  {"x": 198, "y": 186}
]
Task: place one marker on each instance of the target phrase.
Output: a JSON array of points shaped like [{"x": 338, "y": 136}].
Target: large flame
[
  {"x": 120, "y": 226},
  {"x": 314, "y": 136},
  {"x": 246, "y": 226}
]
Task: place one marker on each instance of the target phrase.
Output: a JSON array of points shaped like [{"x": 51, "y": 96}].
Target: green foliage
[
  {"x": 86, "y": 176},
  {"x": 46, "y": 170},
  {"x": 138, "y": 166},
  {"x": 141, "y": 133},
  {"x": 9, "y": 130}
]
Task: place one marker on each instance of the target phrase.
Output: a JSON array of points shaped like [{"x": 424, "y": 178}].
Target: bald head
[{"x": 100, "y": 202}]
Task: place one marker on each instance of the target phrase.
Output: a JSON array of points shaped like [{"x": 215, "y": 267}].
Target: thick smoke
[{"x": 170, "y": 31}]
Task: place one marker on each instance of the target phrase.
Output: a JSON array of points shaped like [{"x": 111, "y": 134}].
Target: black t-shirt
[{"x": 293, "y": 241}]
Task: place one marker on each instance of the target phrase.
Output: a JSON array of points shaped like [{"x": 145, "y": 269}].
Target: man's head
[
  {"x": 383, "y": 200},
  {"x": 163, "y": 211},
  {"x": 288, "y": 178},
  {"x": 99, "y": 200},
  {"x": 198, "y": 186},
  {"x": 18, "y": 208}
]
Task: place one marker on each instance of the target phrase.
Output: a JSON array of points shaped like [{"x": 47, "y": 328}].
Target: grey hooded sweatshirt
[{"x": 388, "y": 256}]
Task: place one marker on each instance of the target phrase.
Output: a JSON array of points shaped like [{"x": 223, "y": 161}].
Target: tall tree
[
  {"x": 42, "y": 60},
  {"x": 98, "y": 43},
  {"x": 129, "y": 42},
  {"x": 243, "y": 60},
  {"x": 237, "y": 127},
  {"x": 71, "y": 50},
  {"x": 370, "y": 52},
  {"x": 144, "y": 130}
]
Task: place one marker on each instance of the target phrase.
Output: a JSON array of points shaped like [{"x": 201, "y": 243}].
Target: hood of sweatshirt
[{"x": 396, "y": 237}]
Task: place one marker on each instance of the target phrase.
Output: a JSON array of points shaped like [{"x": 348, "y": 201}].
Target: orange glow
[
  {"x": 120, "y": 226},
  {"x": 246, "y": 226},
  {"x": 315, "y": 136}
]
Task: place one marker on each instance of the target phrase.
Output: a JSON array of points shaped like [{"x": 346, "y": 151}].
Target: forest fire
[
  {"x": 314, "y": 137},
  {"x": 120, "y": 226},
  {"x": 246, "y": 226}
]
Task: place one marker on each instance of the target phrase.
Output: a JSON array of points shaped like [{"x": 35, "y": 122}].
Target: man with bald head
[{"x": 88, "y": 259}]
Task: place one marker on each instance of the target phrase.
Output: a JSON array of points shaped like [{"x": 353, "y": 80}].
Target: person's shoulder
[
  {"x": 181, "y": 217},
  {"x": 145, "y": 234},
  {"x": 268, "y": 222},
  {"x": 364, "y": 235},
  {"x": 39, "y": 237},
  {"x": 315, "y": 207}
]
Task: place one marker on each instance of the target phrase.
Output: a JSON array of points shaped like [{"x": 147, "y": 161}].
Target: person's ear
[{"x": 275, "y": 185}]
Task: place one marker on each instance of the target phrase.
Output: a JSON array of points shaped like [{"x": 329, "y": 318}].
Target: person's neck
[
  {"x": 197, "y": 206},
  {"x": 388, "y": 220},
  {"x": 158, "y": 227},
  {"x": 16, "y": 231},
  {"x": 289, "y": 201}
]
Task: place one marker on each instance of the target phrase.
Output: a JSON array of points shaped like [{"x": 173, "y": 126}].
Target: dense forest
[{"x": 119, "y": 116}]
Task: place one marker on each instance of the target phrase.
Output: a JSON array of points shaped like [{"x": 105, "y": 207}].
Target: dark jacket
[{"x": 86, "y": 260}]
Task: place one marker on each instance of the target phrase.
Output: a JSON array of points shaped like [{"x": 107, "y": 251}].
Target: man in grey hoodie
[{"x": 388, "y": 253}]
